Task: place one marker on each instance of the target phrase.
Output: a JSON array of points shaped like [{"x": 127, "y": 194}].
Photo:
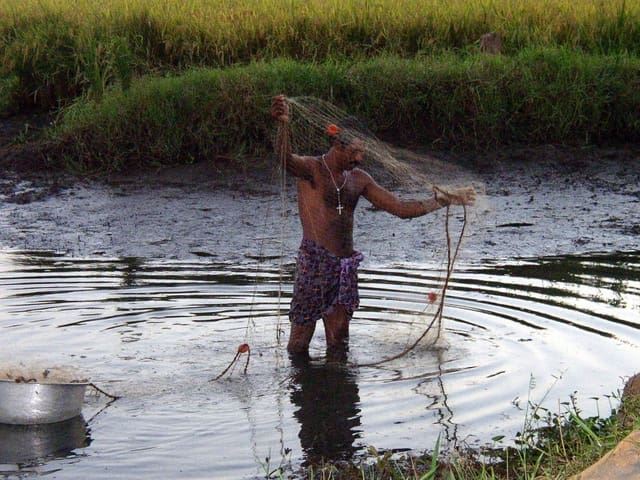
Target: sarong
[{"x": 323, "y": 280}]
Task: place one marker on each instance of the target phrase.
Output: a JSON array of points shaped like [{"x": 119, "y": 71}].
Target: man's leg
[
  {"x": 300, "y": 337},
  {"x": 336, "y": 328}
]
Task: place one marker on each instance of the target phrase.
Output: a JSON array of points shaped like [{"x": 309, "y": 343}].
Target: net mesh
[{"x": 311, "y": 117}]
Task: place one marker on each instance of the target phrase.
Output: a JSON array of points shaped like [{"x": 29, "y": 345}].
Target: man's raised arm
[{"x": 292, "y": 163}]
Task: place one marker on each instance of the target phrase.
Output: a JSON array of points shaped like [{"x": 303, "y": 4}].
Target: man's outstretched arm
[{"x": 385, "y": 200}]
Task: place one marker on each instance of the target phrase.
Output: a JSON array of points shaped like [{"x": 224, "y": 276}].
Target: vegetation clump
[{"x": 536, "y": 97}]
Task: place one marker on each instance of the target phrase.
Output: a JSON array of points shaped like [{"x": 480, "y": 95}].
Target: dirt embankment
[
  {"x": 22, "y": 162},
  {"x": 541, "y": 200}
]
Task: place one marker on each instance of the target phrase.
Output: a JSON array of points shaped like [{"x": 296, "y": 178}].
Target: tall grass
[
  {"x": 58, "y": 49},
  {"x": 536, "y": 96}
]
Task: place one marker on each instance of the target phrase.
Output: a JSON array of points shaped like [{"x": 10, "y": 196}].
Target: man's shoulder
[
  {"x": 361, "y": 175},
  {"x": 361, "y": 180},
  {"x": 308, "y": 160},
  {"x": 309, "y": 168}
]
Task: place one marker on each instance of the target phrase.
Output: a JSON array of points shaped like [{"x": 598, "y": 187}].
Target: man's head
[
  {"x": 348, "y": 142},
  {"x": 350, "y": 155}
]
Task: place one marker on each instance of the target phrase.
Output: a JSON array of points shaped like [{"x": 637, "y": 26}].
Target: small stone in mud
[{"x": 21, "y": 198}]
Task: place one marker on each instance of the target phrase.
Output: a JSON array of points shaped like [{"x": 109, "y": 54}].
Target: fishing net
[
  {"x": 311, "y": 118},
  {"x": 313, "y": 124},
  {"x": 311, "y": 130}
]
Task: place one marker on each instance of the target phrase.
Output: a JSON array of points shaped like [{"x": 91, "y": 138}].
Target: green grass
[
  {"x": 551, "y": 445},
  {"x": 451, "y": 101}
]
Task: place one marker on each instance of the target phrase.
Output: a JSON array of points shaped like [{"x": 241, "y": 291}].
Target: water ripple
[{"x": 157, "y": 332}]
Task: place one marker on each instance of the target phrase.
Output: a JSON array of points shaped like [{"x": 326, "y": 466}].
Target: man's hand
[
  {"x": 279, "y": 108},
  {"x": 458, "y": 196}
]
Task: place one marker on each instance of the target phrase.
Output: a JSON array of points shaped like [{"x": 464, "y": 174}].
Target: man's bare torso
[{"x": 321, "y": 220}]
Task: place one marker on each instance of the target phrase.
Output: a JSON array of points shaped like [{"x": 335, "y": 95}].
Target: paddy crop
[{"x": 59, "y": 49}]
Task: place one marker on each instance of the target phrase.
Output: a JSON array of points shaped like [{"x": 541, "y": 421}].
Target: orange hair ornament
[{"x": 333, "y": 129}]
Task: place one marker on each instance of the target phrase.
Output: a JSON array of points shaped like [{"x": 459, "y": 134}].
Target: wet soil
[{"x": 542, "y": 200}]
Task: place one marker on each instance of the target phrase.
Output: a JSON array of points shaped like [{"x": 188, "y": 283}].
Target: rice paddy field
[{"x": 190, "y": 79}]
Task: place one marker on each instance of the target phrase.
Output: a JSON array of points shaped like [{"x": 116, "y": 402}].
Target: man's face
[{"x": 353, "y": 154}]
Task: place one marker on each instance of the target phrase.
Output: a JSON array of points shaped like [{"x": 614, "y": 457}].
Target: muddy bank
[{"x": 538, "y": 201}]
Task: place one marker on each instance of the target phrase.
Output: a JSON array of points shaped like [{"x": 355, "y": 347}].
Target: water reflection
[
  {"x": 617, "y": 271},
  {"x": 31, "y": 444},
  {"x": 130, "y": 272},
  {"x": 602, "y": 288},
  {"x": 433, "y": 388},
  {"x": 328, "y": 409}
]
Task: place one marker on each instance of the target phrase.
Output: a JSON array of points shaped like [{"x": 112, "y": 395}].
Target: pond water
[{"x": 156, "y": 333}]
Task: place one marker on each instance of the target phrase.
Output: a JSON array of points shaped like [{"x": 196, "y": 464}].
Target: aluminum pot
[{"x": 23, "y": 403}]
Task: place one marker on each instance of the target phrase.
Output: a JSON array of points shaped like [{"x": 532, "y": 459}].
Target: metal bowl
[{"x": 35, "y": 403}]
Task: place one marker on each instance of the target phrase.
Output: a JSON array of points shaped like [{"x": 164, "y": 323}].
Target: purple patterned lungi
[{"x": 323, "y": 280}]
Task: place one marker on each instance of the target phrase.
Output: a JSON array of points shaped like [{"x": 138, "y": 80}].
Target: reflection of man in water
[{"x": 328, "y": 410}]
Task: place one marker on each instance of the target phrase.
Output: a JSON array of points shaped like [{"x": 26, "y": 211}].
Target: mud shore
[{"x": 542, "y": 200}]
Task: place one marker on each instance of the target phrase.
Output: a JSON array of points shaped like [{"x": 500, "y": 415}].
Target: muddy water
[
  {"x": 157, "y": 332},
  {"x": 149, "y": 285}
]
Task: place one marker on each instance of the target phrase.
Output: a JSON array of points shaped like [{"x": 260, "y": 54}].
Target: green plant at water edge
[
  {"x": 551, "y": 445},
  {"x": 556, "y": 445}
]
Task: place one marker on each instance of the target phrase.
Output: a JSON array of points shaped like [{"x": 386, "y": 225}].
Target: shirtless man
[{"x": 329, "y": 187}]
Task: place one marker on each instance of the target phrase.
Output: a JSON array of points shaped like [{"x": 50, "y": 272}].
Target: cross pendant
[{"x": 339, "y": 208}]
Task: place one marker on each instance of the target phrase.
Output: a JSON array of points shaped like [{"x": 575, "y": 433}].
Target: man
[{"x": 329, "y": 187}]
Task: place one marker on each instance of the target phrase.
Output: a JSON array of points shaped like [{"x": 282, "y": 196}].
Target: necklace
[{"x": 335, "y": 184}]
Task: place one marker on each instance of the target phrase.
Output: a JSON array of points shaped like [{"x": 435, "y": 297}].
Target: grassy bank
[
  {"x": 452, "y": 101},
  {"x": 145, "y": 82}
]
